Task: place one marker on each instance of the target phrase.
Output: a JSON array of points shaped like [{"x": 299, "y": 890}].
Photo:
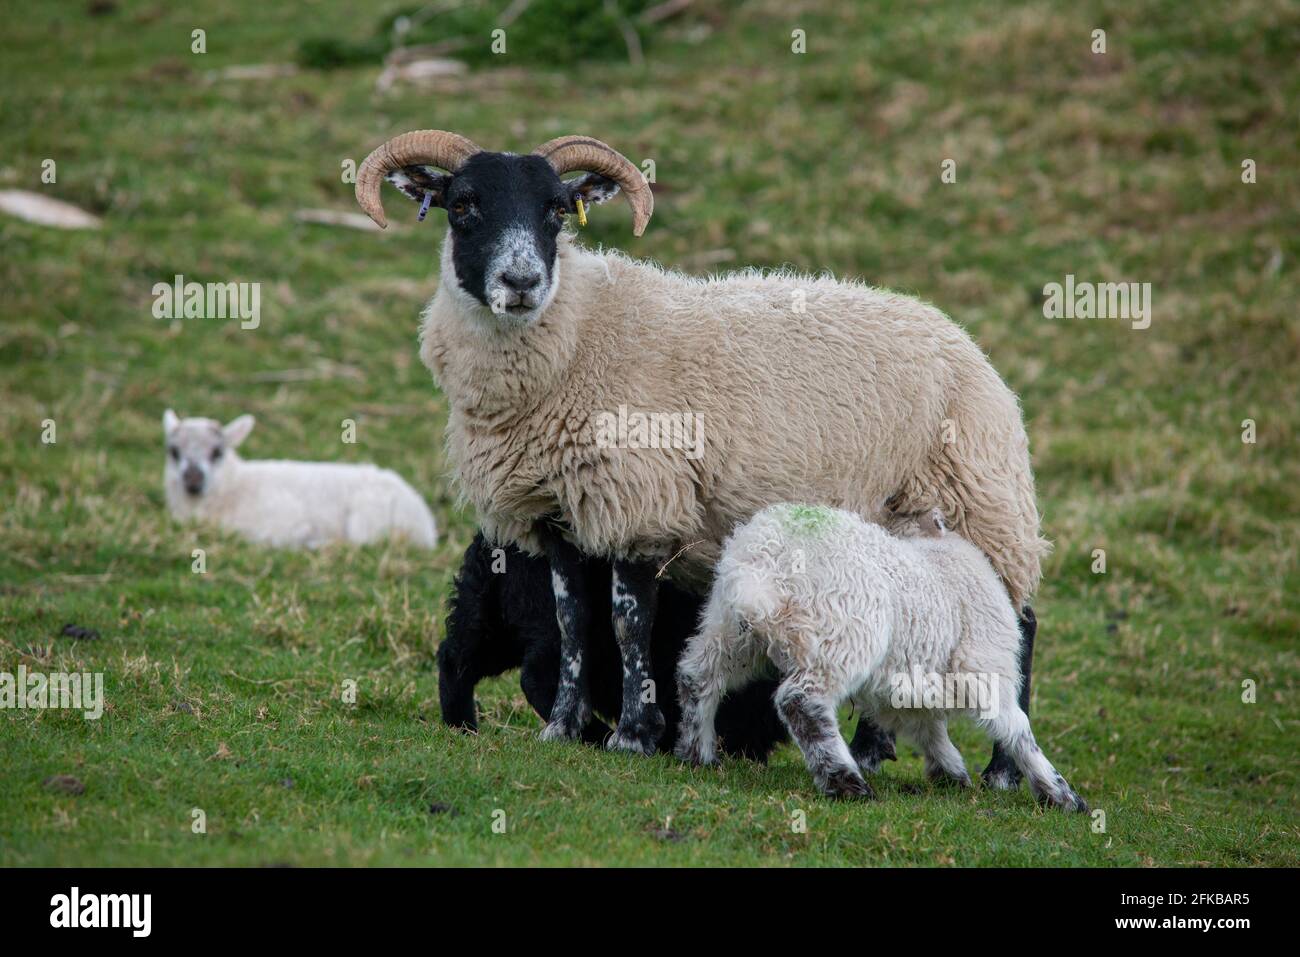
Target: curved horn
[
  {"x": 427, "y": 147},
  {"x": 567, "y": 153}
]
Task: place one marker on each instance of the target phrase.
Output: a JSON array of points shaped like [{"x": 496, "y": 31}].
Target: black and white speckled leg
[
  {"x": 810, "y": 717},
  {"x": 572, "y": 709},
  {"x": 1011, "y": 730},
  {"x": 635, "y": 596}
]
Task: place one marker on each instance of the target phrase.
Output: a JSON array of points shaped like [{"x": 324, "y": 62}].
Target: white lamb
[
  {"x": 914, "y": 629},
  {"x": 285, "y": 503}
]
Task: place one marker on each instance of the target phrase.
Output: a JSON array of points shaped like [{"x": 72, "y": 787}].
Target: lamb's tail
[{"x": 756, "y": 594}]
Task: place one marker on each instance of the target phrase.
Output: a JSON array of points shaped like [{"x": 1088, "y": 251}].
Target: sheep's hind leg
[
  {"x": 572, "y": 708},
  {"x": 635, "y": 598},
  {"x": 1002, "y": 773},
  {"x": 810, "y": 717},
  {"x": 1010, "y": 728},
  {"x": 716, "y": 659}
]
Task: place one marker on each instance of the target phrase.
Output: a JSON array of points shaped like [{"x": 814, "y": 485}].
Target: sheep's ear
[
  {"x": 170, "y": 421},
  {"x": 592, "y": 188},
  {"x": 418, "y": 181},
  {"x": 237, "y": 431}
]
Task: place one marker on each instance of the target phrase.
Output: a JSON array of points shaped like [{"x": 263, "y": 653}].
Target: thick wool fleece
[
  {"x": 292, "y": 504},
  {"x": 845, "y": 610},
  {"x": 810, "y": 389}
]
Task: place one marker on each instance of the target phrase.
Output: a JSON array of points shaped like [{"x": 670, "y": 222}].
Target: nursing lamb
[{"x": 913, "y": 629}]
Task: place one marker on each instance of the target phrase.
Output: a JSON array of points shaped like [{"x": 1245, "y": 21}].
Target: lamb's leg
[
  {"x": 943, "y": 762},
  {"x": 635, "y": 596},
  {"x": 572, "y": 709},
  {"x": 1002, "y": 772},
  {"x": 809, "y": 714},
  {"x": 748, "y": 723},
  {"x": 871, "y": 745},
  {"x": 470, "y": 649},
  {"x": 457, "y": 676},
  {"x": 1010, "y": 728},
  {"x": 712, "y": 663}
]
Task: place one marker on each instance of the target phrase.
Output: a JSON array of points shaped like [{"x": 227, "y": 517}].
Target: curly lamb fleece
[
  {"x": 846, "y": 610},
  {"x": 809, "y": 389}
]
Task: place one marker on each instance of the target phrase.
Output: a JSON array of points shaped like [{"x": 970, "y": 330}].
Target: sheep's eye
[
  {"x": 460, "y": 209},
  {"x": 216, "y": 455},
  {"x": 174, "y": 452},
  {"x": 561, "y": 210}
]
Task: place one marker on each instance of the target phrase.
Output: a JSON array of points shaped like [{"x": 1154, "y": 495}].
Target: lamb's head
[
  {"x": 505, "y": 211},
  {"x": 929, "y": 524},
  {"x": 199, "y": 454}
]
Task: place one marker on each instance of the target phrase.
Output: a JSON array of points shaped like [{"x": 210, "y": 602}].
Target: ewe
[
  {"x": 284, "y": 503},
  {"x": 809, "y": 389},
  {"x": 914, "y": 630}
]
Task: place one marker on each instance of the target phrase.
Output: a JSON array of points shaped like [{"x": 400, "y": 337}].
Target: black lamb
[{"x": 505, "y": 619}]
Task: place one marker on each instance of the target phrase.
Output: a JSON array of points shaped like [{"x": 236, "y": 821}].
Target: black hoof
[
  {"x": 640, "y": 736},
  {"x": 596, "y": 732},
  {"x": 847, "y": 784},
  {"x": 694, "y": 755},
  {"x": 1001, "y": 776},
  {"x": 1063, "y": 798},
  {"x": 565, "y": 727}
]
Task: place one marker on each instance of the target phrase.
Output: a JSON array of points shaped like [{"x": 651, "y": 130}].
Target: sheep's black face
[{"x": 505, "y": 212}]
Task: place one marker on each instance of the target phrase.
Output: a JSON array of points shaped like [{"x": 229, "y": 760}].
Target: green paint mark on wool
[{"x": 808, "y": 520}]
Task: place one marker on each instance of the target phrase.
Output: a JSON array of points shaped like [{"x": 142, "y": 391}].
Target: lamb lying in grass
[
  {"x": 502, "y": 616},
  {"x": 284, "y": 503},
  {"x": 914, "y": 629}
]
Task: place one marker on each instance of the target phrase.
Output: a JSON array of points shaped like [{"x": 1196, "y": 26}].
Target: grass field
[{"x": 224, "y": 689}]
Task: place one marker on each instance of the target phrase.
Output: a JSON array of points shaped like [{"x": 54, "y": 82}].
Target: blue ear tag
[{"x": 424, "y": 207}]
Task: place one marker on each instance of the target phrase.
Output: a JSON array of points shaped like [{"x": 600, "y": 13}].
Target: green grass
[{"x": 224, "y": 687}]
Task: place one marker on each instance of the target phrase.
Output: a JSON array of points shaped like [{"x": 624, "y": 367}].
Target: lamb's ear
[
  {"x": 237, "y": 431},
  {"x": 417, "y": 181},
  {"x": 170, "y": 421},
  {"x": 593, "y": 188},
  {"x": 934, "y": 525}
]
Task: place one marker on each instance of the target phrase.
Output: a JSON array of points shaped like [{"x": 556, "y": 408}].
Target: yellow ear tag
[{"x": 582, "y": 213}]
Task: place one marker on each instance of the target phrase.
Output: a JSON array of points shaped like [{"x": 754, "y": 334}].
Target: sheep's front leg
[
  {"x": 572, "y": 708},
  {"x": 635, "y": 596},
  {"x": 539, "y": 678}
]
